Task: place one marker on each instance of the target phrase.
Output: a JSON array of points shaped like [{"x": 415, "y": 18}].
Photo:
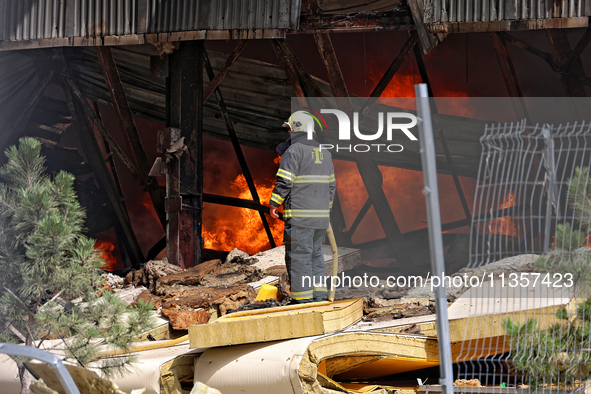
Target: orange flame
[
  {"x": 400, "y": 92},
  {"x": 504, "y": 225},
  {"x": 107, "y": 248},
  {"x": 243, "y": 228},
  {"x": 106, "y": 243}
]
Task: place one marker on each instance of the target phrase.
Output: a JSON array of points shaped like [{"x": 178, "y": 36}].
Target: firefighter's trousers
[{"x": 305, "y": 263}]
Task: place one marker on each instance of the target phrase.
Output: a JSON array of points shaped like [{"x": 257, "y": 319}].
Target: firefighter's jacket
[{"x": 305, "y": 183}]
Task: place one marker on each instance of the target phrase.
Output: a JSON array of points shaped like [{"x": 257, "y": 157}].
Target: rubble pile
[{"x": 198, "y": 294}]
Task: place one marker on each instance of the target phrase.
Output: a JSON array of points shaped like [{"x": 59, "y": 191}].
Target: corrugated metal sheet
[
  {"x": 440, "y": 11},
  {"x": 42, "y": 19},
  {"x": 345, "y": 6},
  {"x": 183, "y": 15}
]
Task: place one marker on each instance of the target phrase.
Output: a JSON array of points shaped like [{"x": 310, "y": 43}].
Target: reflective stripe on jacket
[{"x": 305, "y": 183}]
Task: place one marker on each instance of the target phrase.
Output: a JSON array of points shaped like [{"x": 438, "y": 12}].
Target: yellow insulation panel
[{"x": 292, "y": 321}]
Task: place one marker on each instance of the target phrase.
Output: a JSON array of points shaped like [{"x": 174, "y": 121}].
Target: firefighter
[{"x": 305, "y": 186}]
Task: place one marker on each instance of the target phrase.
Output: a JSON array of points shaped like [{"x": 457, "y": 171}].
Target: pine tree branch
[
  {"x": 17, "y": 333},
  {"x": 6, "y": 204},
  {"x": 19, "y": 300},
  {"x": 72, "y": 352}
]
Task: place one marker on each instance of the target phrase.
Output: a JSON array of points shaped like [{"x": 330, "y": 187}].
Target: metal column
[{"x": 431, "y": 193}]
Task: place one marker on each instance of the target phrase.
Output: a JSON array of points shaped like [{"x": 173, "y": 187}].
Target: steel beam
[
  {"x": 454, "y": 174},
  {"x": 561, "y": 49},
  {"x": 129, "y": 128},
  {"x": 215, "y": 81},
  {"x": 96, "y": 160},
  {"x": 370, "y": 173},
  {"x": 509, "y": 75},
  {"x": 238, "y": 150}
]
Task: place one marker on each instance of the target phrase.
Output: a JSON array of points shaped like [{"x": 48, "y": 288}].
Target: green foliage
[
  {"x": 561, "y": 354},
  {"x": 562, "y": 313},
  {"x": 50, "y": 284},
  {"x": 579, "y": 191},
  {"x": 556, "y": 355},
  {"x": 567, "y": 238}
]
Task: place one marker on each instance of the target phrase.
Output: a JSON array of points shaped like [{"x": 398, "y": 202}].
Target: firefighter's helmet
[{"x": 299, "y": 121}]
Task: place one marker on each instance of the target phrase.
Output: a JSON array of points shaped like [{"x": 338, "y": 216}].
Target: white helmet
[{"x": 300, "y": 121}]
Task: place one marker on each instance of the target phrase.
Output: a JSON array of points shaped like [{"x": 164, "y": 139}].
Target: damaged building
[{"x": 169, "y": 113}]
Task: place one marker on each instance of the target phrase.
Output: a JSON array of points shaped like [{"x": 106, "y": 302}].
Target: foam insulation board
[{"x": 263, "y": 325}]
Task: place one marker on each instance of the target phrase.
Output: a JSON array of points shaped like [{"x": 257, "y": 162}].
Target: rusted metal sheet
[
  {"x": 443, "y": 11},
  {"x": 507, "y": 25},
  {"x": 346, "y": 23},
  {"x": 47, "y": 23}
]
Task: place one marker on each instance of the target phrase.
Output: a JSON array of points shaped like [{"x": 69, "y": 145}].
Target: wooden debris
[
  {"x": 292, "y": 321},
  {"x": 147, "y": 296},
  {"x": 189, "y": 277},
  {"x": 235, "y": 301},
  {"x": 467, "y": 383},
  {"x": 398, "y": 312},
  {"x": 151, "y": 272},
  {"x": 182, "y": 317},
  {"x": 230, "y": 274},
  {"x": 412, "y": 329},
  {"x": 202, "y": 297}
]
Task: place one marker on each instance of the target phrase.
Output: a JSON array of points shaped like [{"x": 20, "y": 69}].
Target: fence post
[
  {"x": 435, "y": 240},
  {"x": 551, "y": 174}
]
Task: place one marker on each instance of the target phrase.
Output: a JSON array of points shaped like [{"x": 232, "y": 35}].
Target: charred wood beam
[
  {"x": 562, "y": 50},
  {"x": 108, "y": 154},
  {"x": 234, "y": 202},
  {"x": 456, "y": 179},
  {"x": 292, "y": 77},
  {"x": 130, "y": 132},
  {"x": 156, "y": 249},
  {"x": 509, "y": 75},
  {"x": 506, "y": 65},
  {"x": 388, "y": 75},
  {"x": 287, "y": 57},
  {"x": 238, "y": 149},
  {"x": 96, "y": 160},
  {"x": 89, "y": 111},
  {"x": 335, "y": 75},
  {"x": 192, "y": 59},
  {"x": 215, "y": 82},
  {"x": 362, "y": 212},
  {"x": 375, "y": 94},
  {"x": 579, "y": 48},
  {"x": 370, "y": 173},
  {"x": 548, "y": 58},
  {"x": 428, "y": 39},
  {"x": 356, "y": 22}
]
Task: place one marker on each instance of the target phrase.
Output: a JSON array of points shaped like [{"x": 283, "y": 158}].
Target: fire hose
[{"x": 335, "y": 259}]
